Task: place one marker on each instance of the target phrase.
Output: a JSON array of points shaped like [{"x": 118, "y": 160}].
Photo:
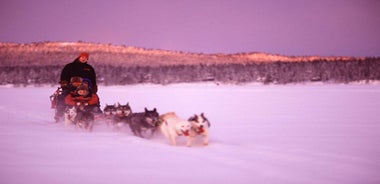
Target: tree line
[{"x": 338, "y": 71}]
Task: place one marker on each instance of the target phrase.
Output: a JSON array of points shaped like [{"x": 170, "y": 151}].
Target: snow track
[{"x": 259, "y": 134}]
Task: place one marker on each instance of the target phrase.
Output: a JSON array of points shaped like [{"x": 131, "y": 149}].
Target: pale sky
[{"x": 288, "y": 27}]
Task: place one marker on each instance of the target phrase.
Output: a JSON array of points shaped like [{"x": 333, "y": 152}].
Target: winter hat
[
  {"x": 87, "y": 82},
  {"x": 84, "y": 54},
  {"x": 76, "y": 80}
]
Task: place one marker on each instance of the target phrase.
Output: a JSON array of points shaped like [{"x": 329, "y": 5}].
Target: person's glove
[{"x": 64, "y": 84}]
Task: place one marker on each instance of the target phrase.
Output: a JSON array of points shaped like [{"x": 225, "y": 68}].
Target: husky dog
[
  {"x": 109, "y": 111},
  {"x": 172, "y": 127},
  {"x": 199, "y": 126},
  {"x": 85, "y": 118},
  {"x": 143, "y": 121},
  {"x": 70, "y": 114},
  {"x": 121, "y": 114}
]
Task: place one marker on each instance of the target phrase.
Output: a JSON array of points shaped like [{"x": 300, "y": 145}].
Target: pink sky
[{"x": 290, "y": 27}]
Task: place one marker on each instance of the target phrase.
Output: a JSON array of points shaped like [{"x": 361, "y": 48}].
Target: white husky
[
  {"x": 172, "y": 127},
  {"x": 70, "y": 115},
  {"x": 199, "y": 126}
]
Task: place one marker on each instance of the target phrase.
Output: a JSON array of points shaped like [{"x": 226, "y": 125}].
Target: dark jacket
[{"x": 84, "y": 70}]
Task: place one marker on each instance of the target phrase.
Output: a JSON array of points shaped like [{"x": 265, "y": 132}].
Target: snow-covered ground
[{"x": 259, "y": 134}]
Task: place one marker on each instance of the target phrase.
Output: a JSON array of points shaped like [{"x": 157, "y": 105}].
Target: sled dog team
[
  {"x": 145, "y": 124},
  {"x": 77, "y": 102}
]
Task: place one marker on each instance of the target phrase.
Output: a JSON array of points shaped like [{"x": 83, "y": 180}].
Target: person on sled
[
  {"x": 72, "y": 75},
  {"x": 84, "y": 100},
  {"x": 79, "y": 68},
  {"x": 58, "y": 98}
]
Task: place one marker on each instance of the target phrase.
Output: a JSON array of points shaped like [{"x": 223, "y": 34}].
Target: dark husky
[
  {"x": 143, "y": 121},
  {"x": 84, "y": 118},
  {"x": 122, "y": 112},
  {"x": 109, "y": 111}
]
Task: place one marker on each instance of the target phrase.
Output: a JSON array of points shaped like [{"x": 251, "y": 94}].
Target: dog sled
[{"x": 85, "y": 114}]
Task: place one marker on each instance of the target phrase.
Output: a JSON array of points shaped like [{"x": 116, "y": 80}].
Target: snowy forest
[{"x": 41, "y": 63}]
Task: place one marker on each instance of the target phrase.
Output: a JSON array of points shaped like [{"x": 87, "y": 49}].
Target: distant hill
[
  {"x": 59, "y": 53},
  {"x": 41, "y": 63}
]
